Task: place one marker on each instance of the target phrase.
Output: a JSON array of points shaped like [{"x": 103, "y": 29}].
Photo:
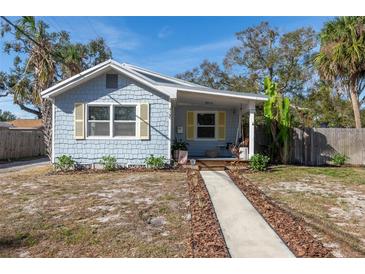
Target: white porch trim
[{"x": 251, "y": 134}]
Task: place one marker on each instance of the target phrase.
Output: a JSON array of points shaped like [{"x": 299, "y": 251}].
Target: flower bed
[
  {"x": 291, "y": 229},
  {"x": 207, "y": 239}
]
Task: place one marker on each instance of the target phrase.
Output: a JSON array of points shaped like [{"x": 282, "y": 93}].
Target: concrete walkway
[
  {"x": 19, "y": 165},
  {"x": 245, "y": 231}
]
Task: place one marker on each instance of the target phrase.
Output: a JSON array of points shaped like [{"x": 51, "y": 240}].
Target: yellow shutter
[
  {"x": 144, "y": 121},
  {"x": 190, "y": 125},
  {"x": 79, "y": 121},
  {"x": 221, "y": 125}
]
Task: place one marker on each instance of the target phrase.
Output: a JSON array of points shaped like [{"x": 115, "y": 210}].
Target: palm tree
[
  {"x": 341, "y": 59},
  {"x": 48, "y": 58},
  {"x": 41, "y": 61},
  {"x": 39, "y": 71},
  {"x": 78, "y": 57},
  {"x": 73, "y": 60}
]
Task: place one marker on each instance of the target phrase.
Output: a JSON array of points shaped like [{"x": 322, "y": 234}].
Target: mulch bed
[
  {"x": 290, "y": 228},
  {"x": 119, "y": 170},
  {"x": 207, "y": 240}
]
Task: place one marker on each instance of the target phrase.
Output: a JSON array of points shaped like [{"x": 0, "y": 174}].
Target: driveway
[{"x": 19, "y": 165}]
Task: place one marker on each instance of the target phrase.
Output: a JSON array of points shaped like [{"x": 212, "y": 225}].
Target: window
[
  {"x": 112, "y": 81},
  {"x": 98, "y": 123},
  {"x": 205, "y": 125},
  {"x": 125, "y": 121},
  {"x": 111, "y": 121}
]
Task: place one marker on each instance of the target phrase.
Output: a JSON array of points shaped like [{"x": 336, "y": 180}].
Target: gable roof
[
  {"x": 160, "y": 78},
  {"x": 93, "y": 72},
  {"x": 165, "y": 84}
]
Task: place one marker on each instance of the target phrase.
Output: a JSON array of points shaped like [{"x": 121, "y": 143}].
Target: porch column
[{"x": 251, "y": 129}]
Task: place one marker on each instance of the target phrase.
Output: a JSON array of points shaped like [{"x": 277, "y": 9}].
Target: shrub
[
  {"x": 64, "y": 163},
  {"x": 339, "y": 159},
  {"x": 179, "y": 145},
  {"x": 259, "y": 162},
  {"x": 109, "y": 163},
  {"x": 155, "y": 161}
]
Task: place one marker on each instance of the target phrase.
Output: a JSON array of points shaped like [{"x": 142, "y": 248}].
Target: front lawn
[
  {"x": 331, "y": 200},
  {"x": 116, "y": 214}
]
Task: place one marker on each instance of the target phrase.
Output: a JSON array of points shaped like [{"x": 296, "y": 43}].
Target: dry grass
[
  {"x": 331, "y": 200},
  {"x": 117, "y": 214}
]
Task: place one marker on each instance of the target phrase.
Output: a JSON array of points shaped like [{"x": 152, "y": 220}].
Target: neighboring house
[
  {"x": 5, "y": 125},
  {"x": 130, "y": 113},
  {"x": 27, "y": 123}
]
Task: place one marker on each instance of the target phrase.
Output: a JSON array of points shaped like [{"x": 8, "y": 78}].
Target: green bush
[
  {"x": 157, "y": 162},
  {"x": 339, "y": 159},
  {"x": 179, "y": 145},
  {"x": 259, "y": 162},
  {"x": 109, "y": 163},
  {"x": 64, "y": 163}
]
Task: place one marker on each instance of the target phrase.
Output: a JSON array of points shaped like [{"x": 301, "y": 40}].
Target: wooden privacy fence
[
  {"x": 316, "y": 146},
  {"x": 18, "y": 143}
]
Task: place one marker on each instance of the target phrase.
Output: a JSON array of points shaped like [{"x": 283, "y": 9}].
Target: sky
[{"x": 168, "y": 45}]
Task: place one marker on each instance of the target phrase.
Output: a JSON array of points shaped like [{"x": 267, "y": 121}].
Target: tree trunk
[
  {"x": 47, "y": 126},
  {"x": 276, "y": 146},
  {"x": 286, "y": 151},
  {"x": 355, "y": 106}
]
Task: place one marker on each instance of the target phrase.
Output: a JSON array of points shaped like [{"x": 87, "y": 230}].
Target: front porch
[{"x": 210, "y": 124}]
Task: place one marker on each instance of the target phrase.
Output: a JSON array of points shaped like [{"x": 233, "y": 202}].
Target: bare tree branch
[
  {"x": 30, "y": 110},
  {"x": 5, "y": 94}
]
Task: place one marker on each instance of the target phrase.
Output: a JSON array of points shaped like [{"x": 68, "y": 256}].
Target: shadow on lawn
[{"x": 19, "y": 240}]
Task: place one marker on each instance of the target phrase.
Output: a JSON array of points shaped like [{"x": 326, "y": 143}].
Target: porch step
[
  {"x": 217, "y": 165},
  {"x": 212, "y": 168}
]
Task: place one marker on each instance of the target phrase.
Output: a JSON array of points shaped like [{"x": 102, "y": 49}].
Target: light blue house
[{"x": 130, "y": 113}]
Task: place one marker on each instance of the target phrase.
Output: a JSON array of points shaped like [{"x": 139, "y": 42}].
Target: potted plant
[{"x": 180, "y": 151}]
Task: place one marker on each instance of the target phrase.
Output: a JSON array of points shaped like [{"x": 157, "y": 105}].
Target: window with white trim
[
  {"x": 205, "y": 126},
  {"x": 98, "y": 121},
  {"x": 124, "y": 121},
  {"x": 111, "y": 121}
]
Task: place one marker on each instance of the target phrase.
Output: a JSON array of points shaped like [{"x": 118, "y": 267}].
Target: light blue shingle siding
[
  {"x": 198, "y": 148},
  {"x": 126, "y": 151}
]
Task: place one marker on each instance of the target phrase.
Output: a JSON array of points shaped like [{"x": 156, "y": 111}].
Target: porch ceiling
[{"x": 189, "y": 98}]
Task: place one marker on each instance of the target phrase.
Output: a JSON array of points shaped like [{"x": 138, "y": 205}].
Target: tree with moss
[
  {"x": 261, "y": 51},
  {"x": 284, "y": 57}
]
